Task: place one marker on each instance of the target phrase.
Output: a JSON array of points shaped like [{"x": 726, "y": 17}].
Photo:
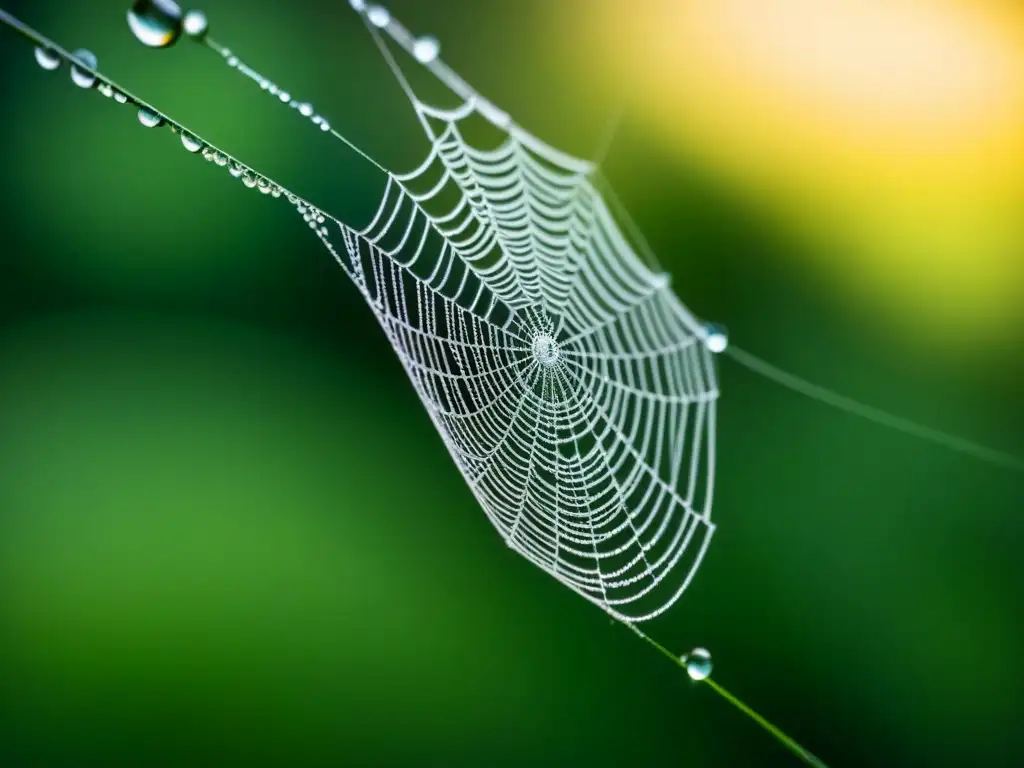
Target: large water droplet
[
  {"x": 47, "y": 59},
  {"x": 156, "y": 23},
  {"x": 149, "y": 118},
  {"x": 698, "y": 663},
  {"x": 79, "y": 76},
  {"x": 190, "y": 142},
  {"x": 716, "y": 338},
  {"x": 426, "y": 49},
  {"x": 196, "y": 24}
]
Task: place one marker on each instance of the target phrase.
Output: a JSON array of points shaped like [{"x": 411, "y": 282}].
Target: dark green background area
[{"x": 229, "y": 533}]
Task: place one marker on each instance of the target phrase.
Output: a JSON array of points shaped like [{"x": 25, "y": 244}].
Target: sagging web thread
[{"x": 571, "y": 387}]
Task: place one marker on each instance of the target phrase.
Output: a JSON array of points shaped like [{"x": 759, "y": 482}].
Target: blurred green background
[{"x": 230, "y": 535}]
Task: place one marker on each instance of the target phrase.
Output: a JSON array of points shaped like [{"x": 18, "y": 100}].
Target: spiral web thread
[{"x": 571, "y": 387}]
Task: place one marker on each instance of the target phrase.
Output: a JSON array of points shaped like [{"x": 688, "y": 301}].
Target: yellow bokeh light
[{"x": 887, "y": 135}]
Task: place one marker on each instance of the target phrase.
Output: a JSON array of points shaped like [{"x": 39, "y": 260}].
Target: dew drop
[
  {"x": 149, "y": 118},
  {"x": 264, "y": 186},
  {"x": 426, "y": 49},
  {"x": 47, "y": 59},
  {"x": 190, "y": 142},
  {"x": 79, "y": 76},
  {"x": 661, "y": 280},
  {"x": 105, "y": 90},
  {"x": 325, "y": 126},
  {"x": 220, "y": 160},
  {"x": 358, "y": 5},
  {"x": 284, "y": 96},
  {"x": 232, "y": 61},
  {"x": 236, "y": 170},
  {"x": 378, "y": 16},
  {"x": 716, "y": 338},
  {"x": 249, "y": 180},
  {"x": 698, "y": 663},
  {"x": 196, "y": 24},
  {"x": 120, "y": 98},
  {"x": 275, "y": 192},
  {"x": 306, "y": 110},
  {"x": 156, "y": 23}
]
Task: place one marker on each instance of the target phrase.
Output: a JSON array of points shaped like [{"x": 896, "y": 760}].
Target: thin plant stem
[{"x": 787, "y": 741}]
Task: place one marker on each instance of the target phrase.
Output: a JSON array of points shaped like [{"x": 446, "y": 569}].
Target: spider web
[{"x": 572, "y": 388}]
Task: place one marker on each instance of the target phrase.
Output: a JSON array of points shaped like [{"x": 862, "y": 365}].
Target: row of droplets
[
  {"x": 302, "y": 107},
  {"x": 424, "y": 49},
  {"x": 83, "y": 75}
]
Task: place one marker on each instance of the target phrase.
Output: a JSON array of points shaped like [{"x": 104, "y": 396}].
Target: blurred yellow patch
[{"x": 888, "y": 134}]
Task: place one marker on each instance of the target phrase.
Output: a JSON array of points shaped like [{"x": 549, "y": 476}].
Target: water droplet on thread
[
  {"x": 232, "y": 61},
  {"x": 698, "y": 663},
  {"x": 379, "y": 16},
  {"x": 80, "y": 76},
  {"x": 306, "y": 110},
  {"x": 190, "y": 142},
  {"x": 236, "y": 170},
  {"x": 47, "y": 59},
  {"x": 196, "y": 24},
  {"x": 155, "y": 23},
  {"x": 716, "y": 338},
  {"x": 120, "y": 98},
  {"x": 357, "y": 5},
  {"x": 249, "y": 180},
  {"x": 284, "y": 96},
  {"x": 426, "y": 49},
  {"x": 149, "y": 118}
]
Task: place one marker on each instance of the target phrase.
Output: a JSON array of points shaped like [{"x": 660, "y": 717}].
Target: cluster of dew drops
[{"x": 157, "y": 23}]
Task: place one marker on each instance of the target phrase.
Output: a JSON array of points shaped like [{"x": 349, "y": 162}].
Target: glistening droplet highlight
[
  {"x": 698, "y": 663},
  {"x": 149, "y": 118},
  {"x": 80, "y": 76},
  {"x": 190, "y": 142},
  {"x": 47, "y": 59},
  {"x": 716, "y": 338},
  {"x": 426, "y": 49},
  {"x": 196, "y": 25},
  {"x": 156, "y": 23}
]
